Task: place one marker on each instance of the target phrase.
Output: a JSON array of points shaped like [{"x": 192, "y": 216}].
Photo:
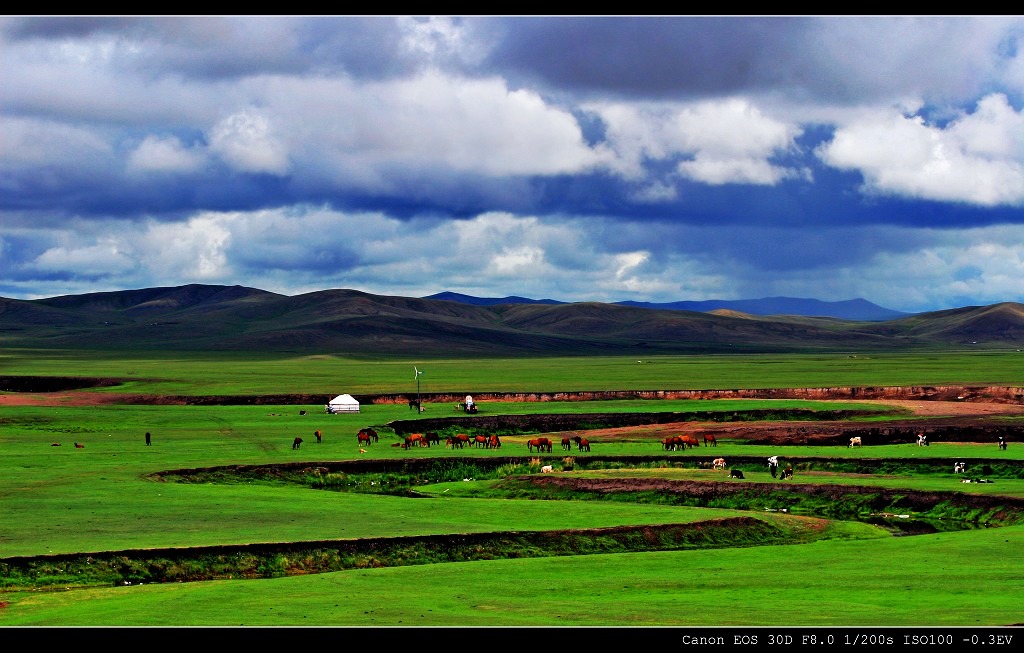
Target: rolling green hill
[{"x": 201, "y": 317}]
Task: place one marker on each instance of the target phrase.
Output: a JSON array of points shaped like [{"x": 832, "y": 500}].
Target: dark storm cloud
[
  {"x": 839, "y": 60},
  {"x": 650, "y": 56}
]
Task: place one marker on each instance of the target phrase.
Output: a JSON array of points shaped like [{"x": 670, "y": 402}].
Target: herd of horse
[
  {"x": 582, "y": 444},
  {"x": 366, "y": 436}
]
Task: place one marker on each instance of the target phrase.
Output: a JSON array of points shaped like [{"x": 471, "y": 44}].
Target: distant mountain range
[
  {"x": 853, "y": 309},
  {"x": 349, "y": 322}
]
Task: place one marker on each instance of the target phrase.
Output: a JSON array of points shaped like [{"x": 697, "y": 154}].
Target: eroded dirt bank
[{"x": 929, "y": 400}]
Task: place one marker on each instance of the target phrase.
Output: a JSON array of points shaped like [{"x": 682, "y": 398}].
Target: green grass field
[{"x": 102, "y": 498}]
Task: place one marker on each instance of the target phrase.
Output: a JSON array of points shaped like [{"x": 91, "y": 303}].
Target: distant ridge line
[
  {"x": 852, "y": 309},
  {"x": 212, "y": 318}
]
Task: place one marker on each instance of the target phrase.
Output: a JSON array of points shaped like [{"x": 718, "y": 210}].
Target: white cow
[
  {"x": 719, "y": 463},
  {"x": 547, "y": 468},
  {"x": 855, "y": 442}
]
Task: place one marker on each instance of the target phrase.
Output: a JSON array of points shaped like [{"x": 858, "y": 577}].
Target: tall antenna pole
[{"x": 419, "y": 407}]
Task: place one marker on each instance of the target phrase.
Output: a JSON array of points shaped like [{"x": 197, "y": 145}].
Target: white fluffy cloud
[
  {"x": 33, "y": 142},
  {"x": 155, "y": 154},
  {"x": 246, "y": 140},
  {"x": 430, "y": 123},
  {"x": 719, "y": 142},
  {"x": 977, "y": 158},
  {"x": 103, "y": 258}
]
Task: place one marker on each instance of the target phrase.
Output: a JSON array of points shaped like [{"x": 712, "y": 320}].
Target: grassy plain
[
  {"x": 101, "y": 498},
  {"x": 229, "y": 373}
]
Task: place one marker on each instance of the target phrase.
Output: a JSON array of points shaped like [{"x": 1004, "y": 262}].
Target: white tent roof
[{"x": 346, "y": 400}]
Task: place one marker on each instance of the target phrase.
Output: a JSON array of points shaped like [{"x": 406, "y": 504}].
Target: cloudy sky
[{"x": 573, "y": 158}]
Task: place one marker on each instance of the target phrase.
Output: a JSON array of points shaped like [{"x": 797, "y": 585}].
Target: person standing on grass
[{"x": 149, "y": 439}]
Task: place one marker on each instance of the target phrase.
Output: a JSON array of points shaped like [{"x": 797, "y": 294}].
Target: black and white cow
[{"x": 773, "y": 466}]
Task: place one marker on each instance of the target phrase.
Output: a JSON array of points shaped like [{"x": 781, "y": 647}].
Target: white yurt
[{"x": 343, "y": 404}]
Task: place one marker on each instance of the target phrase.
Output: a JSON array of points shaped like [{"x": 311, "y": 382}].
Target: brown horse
[
  {"x": 432, "y": 438},
  {"x": 710, "y": 441},
  {"x": 582, "y": 443},
  {"x": 688, "y": 440},
  {"x": 367, "y": 436},
  {"x": 541, "y": 444},
  {"x": 566, "y": 444},
  {"x": 414, "y": 438},
  {"x": 495, "y": 443},
  {"x": 319, "y": 436},
  {"x": 674, "y": 442},
  {"x": 296, "y": 442}
]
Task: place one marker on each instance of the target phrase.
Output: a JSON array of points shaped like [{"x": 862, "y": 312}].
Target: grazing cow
[
  {"x": 414, "y": 404},
  {"x": 718, "y": 463},
  {"x": 710, "y": 440},
  {"x": 735, "y": 473},
  {"x": 855, "y": 442},
  {"x": 546, "y": 469},
  {"x": 1002, "y": 443},
  {"x": 959, "y": 468},
  {"x": 302, "y": 412},
  {"x": 773, "y": 466},
  {"x": 55, "y": 444},
  {"x": 296, "y": 442},
  {"x": 149, "y": 439},
  {"x": 788, "y": 472},
  {"x": 319, "y": 436},
  {"x": 566, "y": 444},
  {"x": 79, "y": 446}
]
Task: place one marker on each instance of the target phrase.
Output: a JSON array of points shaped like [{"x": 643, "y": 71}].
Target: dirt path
[{"x": 954, "y": 408}]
